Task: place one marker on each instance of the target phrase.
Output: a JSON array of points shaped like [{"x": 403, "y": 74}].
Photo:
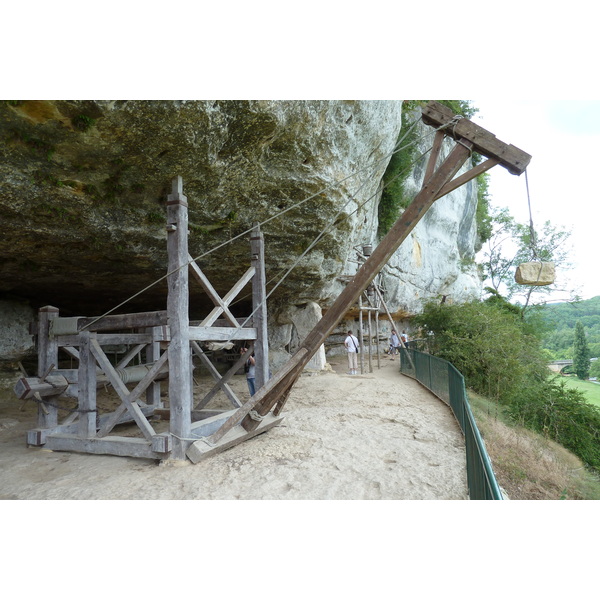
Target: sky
[{"x": 563, "y": 138}]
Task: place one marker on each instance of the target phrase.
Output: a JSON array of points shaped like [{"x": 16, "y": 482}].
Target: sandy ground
[{"x": 362, "y": 437}]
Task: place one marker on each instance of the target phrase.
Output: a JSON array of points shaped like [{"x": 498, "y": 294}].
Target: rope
[{"x": 531, "y": 229}]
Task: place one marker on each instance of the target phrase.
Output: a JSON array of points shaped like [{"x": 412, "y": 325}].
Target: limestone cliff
[{"x": 83, "y": 187}]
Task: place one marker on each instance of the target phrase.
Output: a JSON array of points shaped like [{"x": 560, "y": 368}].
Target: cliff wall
[{"x": 83, "y": 188}]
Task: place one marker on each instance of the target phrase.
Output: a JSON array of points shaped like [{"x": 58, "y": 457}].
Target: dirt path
[{"x": 364, "y": 437}]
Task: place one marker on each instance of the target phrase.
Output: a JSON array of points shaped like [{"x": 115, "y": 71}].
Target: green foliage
[
  {"x": 83, "y": 122},
  {"x": 563, "y": 415},
  {"x": 394, "y": 197},
  {"x": 561, "y": 319},
  {"x": 511, "y": 244},
  {"x": 501, "y": 356},
  {"x": 581, "y": 353},
  {"x": 482, "y": 215},
  {"x": 493, "y": 348}
]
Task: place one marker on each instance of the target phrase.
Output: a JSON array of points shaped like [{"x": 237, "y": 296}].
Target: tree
[
  {"x": 513, "y": 243},
  {"x": 581, "y": 353}
]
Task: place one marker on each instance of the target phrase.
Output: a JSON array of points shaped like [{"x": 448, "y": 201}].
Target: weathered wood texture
[
  {"x": 47, "y": 356},
  {"x": 202, "y": 449},
  {"x": 484, "y": 142},
  {"x": 369, "y": 270},
  {"x": 180, "y": 377},
  {"x": 259, "y": 307}
]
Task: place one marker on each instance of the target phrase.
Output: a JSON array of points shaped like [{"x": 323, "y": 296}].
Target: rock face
[{"x": 83, "y": 189}]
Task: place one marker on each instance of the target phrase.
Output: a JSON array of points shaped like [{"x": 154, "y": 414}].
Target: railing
[{"x": 448, "y": 384}]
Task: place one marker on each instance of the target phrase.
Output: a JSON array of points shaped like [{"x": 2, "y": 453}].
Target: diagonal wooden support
[
  {"x": 221, "y": 304},
  {"x": 133, "y": 396},
  {"x": 277, "y": 389},
  {"x": 122, "y": 391},
  {"x": 380, "y": 256},
  {"x": 222, "y": 382}
]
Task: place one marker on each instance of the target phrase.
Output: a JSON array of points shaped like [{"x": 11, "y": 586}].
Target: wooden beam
[
  {"x": 259, "y": 307},
  {"x": 369, "y": 270},
  {"x": 221, "y": 307},
  {"x": 434, "y": 154},
  {"x": 47, "y": 355},
  {"x": 230, "y": 373},
  {"x": 114, "y": 445},
  {"x": 221, "y": 381},
  {"x": 510, "y": 157},
  {"x": 203, "y": 449},
  {"x": 127, "y": 321},
  {"x": 466, "y": 177},
  {"x": 277, "y": 384},
  {"x": 133, "y": 408},
  {"x": 222, "y": 334},
  {"x": 180, "y": 359},
  {"x": 87, "y": 385}
]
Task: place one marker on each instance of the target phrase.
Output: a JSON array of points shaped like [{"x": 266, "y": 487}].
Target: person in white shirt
[
  {"x": 394, "y": 343},
  {"x": 351, "y": 343}
]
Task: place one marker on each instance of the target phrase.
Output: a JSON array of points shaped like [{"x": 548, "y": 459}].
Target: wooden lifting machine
[{"x": 194, "y": 432}]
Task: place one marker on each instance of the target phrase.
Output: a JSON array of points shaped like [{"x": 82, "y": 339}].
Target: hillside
[{"x": 560, "y": 320}]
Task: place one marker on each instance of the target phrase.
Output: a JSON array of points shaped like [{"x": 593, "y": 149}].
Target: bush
[
  {"x": 563, "y": 415},
  {"x": 501, "y": 357}
]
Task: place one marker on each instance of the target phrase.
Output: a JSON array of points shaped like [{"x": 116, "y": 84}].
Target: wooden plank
[
  {"x": 180, "y": 373},
  {"x": 276, "y": 385},
  {"x": 510, "y": 157},
  {"x": 466, "y": 177},
  {"x": 207, "y": 426},
  {"x": 129, "y": 356},
  {"x": 27, "y": 387},
  {"x": 127, "y": 321},
  {"x": 114, "y": 445},
  {"x": 221, "y": 381},
  {"x": 225, "y": 379},
  {"x": 153, "y": 397},
  {"x": 222, "y": 334},
  {"x": 108, "y": 339},
  {"x": 202, "y": 449},
  {"x": 434, "y": 154},
  {"x": 259, "y": 307},
  {"x": 121, "y": 389},
  {"x": 369, "y": 270},
  {"x": 87, "y": 386},
  {"x": 47, "y": 355},
  {"x": 221, "y": 307}
]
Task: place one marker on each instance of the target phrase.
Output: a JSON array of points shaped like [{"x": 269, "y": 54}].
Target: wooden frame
[{"x": 84, "y": 339}]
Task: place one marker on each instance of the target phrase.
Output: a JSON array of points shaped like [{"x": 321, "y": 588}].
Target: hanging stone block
[{"x": 535, "y": 273}]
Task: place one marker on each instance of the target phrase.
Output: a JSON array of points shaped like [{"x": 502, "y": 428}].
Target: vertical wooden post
[
  {"x": 259, "y": 307},
  {"x": 87, "y": 386},
  {"x": 360, "y": 338},
  {"x": 180, "y": 388},
  {"x": 47, "y": 356},
  {"x": 152, "y": 355},
  {"x": 370, "y": 344},
  {"x": 377, "y": 339}
]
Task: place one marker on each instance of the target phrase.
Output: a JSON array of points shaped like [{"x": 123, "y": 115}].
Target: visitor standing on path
[
  {"x": 250, "y": 370},
  {"x": 351, "y": 343},
  {"x": 394, "y": 343}
]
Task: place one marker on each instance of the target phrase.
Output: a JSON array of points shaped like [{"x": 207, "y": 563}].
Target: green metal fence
[{"x": 448, "y": 384}]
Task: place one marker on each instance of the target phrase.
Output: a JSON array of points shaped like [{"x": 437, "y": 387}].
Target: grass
[
  {"x": 591, "y": 390},
  {"x": 527, "y": 465}
]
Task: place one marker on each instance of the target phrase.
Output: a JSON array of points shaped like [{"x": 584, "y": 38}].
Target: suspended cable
[{"x": 397, "y": 148}]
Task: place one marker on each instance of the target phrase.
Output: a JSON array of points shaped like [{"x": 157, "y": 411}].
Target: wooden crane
[{"x": 438, "y": 181}]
